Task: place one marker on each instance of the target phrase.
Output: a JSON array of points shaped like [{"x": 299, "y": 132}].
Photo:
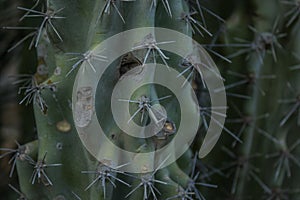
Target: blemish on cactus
[
  {"x": 169, "y": 129},
  {"x": 59, "y": 146},
  {"x": 57, "y": 71},
  {"x": 84, "y": 107},
  {"x": 63, "y": 126},
  {"x": 59, "y": 197}
]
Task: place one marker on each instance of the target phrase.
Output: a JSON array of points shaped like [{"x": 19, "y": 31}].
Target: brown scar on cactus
[
  {"x": 128, "y": 62},
  {"x": 84, "y": 107}
]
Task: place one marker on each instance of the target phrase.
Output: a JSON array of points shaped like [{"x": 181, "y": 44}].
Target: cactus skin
[{"x": 271, "y": 126}]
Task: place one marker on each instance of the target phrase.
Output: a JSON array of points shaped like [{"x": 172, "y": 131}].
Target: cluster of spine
[{"x": 256, "y": 158}]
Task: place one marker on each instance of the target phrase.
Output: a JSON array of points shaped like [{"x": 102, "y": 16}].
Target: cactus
[{"x": 253, "y": 43}]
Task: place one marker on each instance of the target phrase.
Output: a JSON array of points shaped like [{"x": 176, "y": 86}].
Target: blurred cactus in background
[{"x": 46, "y": 44}]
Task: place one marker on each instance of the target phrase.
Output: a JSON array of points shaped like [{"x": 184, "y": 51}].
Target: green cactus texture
[{"x": 255, "y": 46}]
